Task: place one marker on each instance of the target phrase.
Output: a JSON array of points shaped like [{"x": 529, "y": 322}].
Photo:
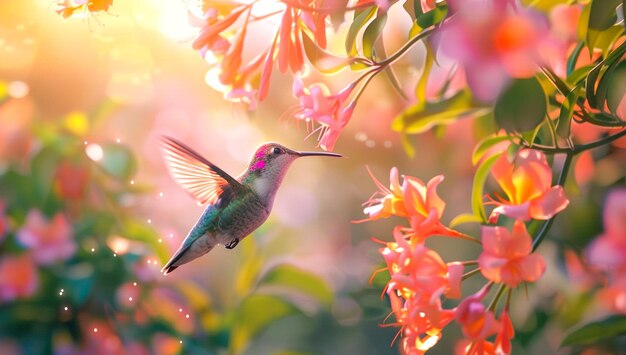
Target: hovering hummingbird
[{"x": 235, "y": 207}]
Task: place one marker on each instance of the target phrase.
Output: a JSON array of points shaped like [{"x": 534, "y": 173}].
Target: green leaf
[
  {"x": 597, "y": 331},
  {"x": 483, "y": 146},
  {"x": 323, "y": 60},
  {"x": 605, "y": 40},
  {"x": 594, "y": 74},
  {"x": 464, "y": 219},
  {"x": 420, "y": 118},
  {"x": 616, "y": 87},
  {"x": 406, "y": 145},
  {"x": 429, "y": 60},
  {"x": 573, "y": 58},
  {"x": 482, "y": 172},
  {"x": 372, "y": 33},
  {"x": 43, "y": 168},
  {"x": 432, "y": 17},
  {"x": 359, "y": 21},
  {"x": 254, "y": 315},
  {"x": 564, "y": 123},
  {"x": 522, "y": 106},
  {"x": 134, "y": 230},
  {"x": 306, "y": 283},
  {"x": 602, "y": 14},
  {"x": 118, "y": 161}
]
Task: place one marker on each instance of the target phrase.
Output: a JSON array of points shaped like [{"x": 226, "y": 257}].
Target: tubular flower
[
  {"x": 527, "y": 184},
  {"x": 392, "y": 201},
  {"x": 419, "y": 278},
  {"x": 48, "y": 241},
  {"x": 507, "y": 257},
  {"x": 316, "y": 104},
  {"x": 505, "y": 334},
  {"x": 415, "y": 200}
]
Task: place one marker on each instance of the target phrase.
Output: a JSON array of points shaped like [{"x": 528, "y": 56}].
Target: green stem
[
  {"x": 400, "y": 52},
  {"x": 577, "y": 148},
  {"x": 470, "y": 274},
  {"x": 496, "y": 299}
]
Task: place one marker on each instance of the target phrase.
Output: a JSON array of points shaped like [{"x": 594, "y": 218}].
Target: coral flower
[
  {"x": 316, "y": 104},
  {"x": 18, "y": 277},
  {"x": 528, "y": 185},
  {"x": 507, "y": 257},
  {"x": 48, "y": 241},
  {"x": 391, "y": 202},
  {"x": 505, "y": 334},
  {"x": 476, "y": 321}
]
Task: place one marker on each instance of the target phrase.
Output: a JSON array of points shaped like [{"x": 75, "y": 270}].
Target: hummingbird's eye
[{"x": 277, "y": 150}]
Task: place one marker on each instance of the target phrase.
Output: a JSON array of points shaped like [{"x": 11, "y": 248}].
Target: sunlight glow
[{"x": 94, "y": 152}]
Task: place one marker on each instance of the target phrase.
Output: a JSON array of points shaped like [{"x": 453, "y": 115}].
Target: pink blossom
[
  {"x": 48, "y": 241},
  {"x": 608, "y": 251},
  {"x": 317, "y": 105},
  {"x": 507, "y": 256},
  {"x": 527, "y": 183},
  {"x": 18, "y": 277}
]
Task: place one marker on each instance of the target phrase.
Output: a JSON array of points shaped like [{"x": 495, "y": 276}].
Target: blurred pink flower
[
  {"x": 527, "y": 182},
  {"x": 317, "y": 105},
  {"x": 18, "y": 277},
  {"x": 48, "y": 241},
  {"x": 613, "y": 296},
  {"x": 507, "y": 256},
  {"x": 608, "y": 251},
  {"x": 70, "y": 181},
  {"x": 493, "y": 42}
]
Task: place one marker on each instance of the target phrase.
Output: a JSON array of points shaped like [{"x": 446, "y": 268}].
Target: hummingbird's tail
[{"x": 191, "y": 249}]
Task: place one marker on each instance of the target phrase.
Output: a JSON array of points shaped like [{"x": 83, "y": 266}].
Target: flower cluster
[{"x": 420, "y": 279}]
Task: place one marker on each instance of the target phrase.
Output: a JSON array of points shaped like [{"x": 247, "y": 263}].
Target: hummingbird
[{"x": 235, "y": 207}]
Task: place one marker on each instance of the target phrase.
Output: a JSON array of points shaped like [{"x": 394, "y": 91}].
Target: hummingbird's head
[
  {"x": 268, "y": 167},
  {"x": 273, "y": 158}
]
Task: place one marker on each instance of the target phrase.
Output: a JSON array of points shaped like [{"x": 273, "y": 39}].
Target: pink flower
[
  {"x": 528, "y": 185},
  {"x": 493, "y": 42},
  {"x": 48, "y": 241},
  {"x": 477, "y": 323},
  {"x": 391, "y": 202},
  {"x": 608, "y": 251},
  {"x": 507, "y": 257},
  {"x": 316, "y": 104},
  {"x": 18, "y": 277}
]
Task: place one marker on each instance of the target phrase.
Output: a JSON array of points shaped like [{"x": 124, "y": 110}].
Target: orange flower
[
  {"x": 507, "y": 257},
  {"x": 528, "y": 186},
  {"x": 48, "y": 241},
  {"x": 18, "y": 277}
]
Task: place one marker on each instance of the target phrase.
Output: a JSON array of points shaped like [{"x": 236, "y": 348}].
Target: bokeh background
[{"x": 89, "y": 97}]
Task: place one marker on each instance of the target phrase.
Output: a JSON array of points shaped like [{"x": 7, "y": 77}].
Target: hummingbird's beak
[{"x": 309, "y": 154}]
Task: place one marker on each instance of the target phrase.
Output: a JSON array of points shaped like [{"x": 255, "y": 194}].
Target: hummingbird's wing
[{"x": 204, "y": 180}]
